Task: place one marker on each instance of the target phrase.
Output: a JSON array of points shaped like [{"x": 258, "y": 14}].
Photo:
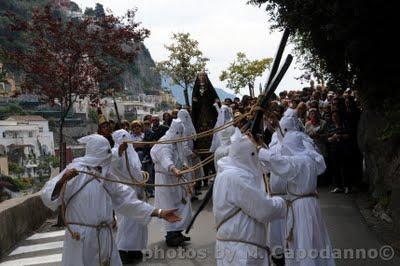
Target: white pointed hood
[
  {"x": 98, "y": 151},
  {"x": 242, "y": 155},
  {"x": 121, "y": 136},
  {"x": 224, "y": 116},
  {"x": 298, "y": 143}
]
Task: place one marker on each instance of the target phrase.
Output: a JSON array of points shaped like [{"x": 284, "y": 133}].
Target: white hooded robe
[
  {"x": 164, "y": 157},
  {"x": 300, "y": 165},
  {"x": 131, "y": 235},
  {"x": 239, "y": 185},
  {"x": 93, "y": 205}
]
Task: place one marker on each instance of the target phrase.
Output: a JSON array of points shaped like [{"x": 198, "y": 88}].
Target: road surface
[{"x": 349, "y": 234}]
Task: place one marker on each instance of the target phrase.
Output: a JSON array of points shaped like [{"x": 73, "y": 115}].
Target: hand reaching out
[{"x": 170, "y": 215}]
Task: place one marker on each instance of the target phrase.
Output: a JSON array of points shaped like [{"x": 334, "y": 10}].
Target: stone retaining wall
[{"x": 19, "y": 217}]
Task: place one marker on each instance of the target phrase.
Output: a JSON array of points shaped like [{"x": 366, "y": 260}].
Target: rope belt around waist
[
  {"x": 289, "y": 203},
  {"x": 98, "y": 227},
  {"x": 278, "y": 194},
  {"x": 266, "y": 248}
]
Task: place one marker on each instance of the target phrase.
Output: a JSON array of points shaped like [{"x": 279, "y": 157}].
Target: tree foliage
[
  {"x": 348, "y": 42},
  {"x": 15, "y": 169},
  {"x": 11, "y": 109},
  {"x": 242, "y": 72},
  {"x": 15, "y": 40},
  {"x": 184, "y": 62},
  {"x": 65, "y": 58}
]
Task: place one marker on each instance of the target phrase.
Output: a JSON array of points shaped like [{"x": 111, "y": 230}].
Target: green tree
[
  {"x": 12, "y": 109},
  {"x": 89, "y": 12},
  {"x": 93, "y": 115},
  {"x": 99, "y": 11},
  {"x": 184, "y": 62},
  {"x": 339, "y": 41},
  {"x": 15, "y": 169},
  {"x": 242, "y": 72}
]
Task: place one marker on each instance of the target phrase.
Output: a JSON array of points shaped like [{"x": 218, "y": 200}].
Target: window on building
[
  {"x": 4, "y": 134},
  {"x": 30, "y": 134},
  {"x": 40, "y": 129}
]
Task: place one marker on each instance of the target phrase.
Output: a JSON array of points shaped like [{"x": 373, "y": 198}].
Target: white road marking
[
  {"x": 37, "y": 247},
  {"x": 34, "y": 260},
  {"x": 47, "y": 235}
]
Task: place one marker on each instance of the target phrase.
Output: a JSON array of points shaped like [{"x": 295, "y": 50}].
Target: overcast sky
[{"x": 222, "y": 27}]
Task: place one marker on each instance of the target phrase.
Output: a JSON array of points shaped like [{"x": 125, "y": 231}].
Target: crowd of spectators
[{"x": 330, "y": 118}]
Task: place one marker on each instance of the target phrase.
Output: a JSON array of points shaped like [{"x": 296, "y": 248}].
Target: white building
[
  {"x": 26, "y": 138},
  {"x": 129, "y": 107}
]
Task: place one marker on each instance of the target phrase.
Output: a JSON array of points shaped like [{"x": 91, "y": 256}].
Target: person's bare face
[
  {"x": 156, "y": 121},
  {"x": 146, "y": 126},
  {"x": 336, "y": 118},
  {"x": 125, "y": 126},
  {"x": 313, "y": 115},
  {"x": 104, "y": 129},
  {"x": 137, "y": 129},
  {"x": 167, "y": 118}
]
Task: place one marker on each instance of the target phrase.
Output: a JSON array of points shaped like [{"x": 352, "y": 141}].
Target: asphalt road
[{"x": 350, "y": 236}]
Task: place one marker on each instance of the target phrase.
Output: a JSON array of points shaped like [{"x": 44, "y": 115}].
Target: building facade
[{"x": 24, "y": 139}]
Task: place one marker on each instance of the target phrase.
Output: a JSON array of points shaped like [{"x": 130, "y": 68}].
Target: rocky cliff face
[{"x": 140, "y": 76}]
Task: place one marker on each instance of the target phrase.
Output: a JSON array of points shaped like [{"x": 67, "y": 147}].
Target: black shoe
[
  {"x": 136, "y": 255},
  {"x": 278, "y": 260},
  {"x": 174, "y": 242},
  {"x": 186, "y": 238},
  {"x": 125, "y": 258}
]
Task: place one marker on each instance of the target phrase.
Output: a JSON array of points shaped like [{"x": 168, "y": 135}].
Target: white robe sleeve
[
  {"x": 124, "y": 201},
  {"x": 47, "y": 191},
  {"x": 255, "y": 202},
  {"x": 166, "y": 157},
  {"x": 282, "y": 166}
]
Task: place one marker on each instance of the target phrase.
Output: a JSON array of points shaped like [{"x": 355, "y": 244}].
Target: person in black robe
[{"x": 204, "y": 114}]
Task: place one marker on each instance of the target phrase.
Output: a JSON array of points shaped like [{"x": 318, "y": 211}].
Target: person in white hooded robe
[
  {"x": 191, "y": 157},
  {"x": 224, "y": 116},
  {"x": 131, "y": 235},
  {"x": 225, "y": 141},
  {"x": 299, "y": 163},
  {"x": 168, "y": 159},
  {"x": 242, "y": 207},
  {"x": 90, "y": 203},
  {"x": 277, "y": 228}
]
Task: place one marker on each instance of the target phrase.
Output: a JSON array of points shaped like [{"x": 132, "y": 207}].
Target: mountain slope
[{"x": 177, "y": 92}]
